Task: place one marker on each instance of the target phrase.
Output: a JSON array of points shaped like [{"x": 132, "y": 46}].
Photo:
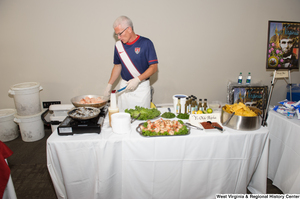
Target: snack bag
[
  {"x": 281, "y": 109},
  {"x": 296, "y": 105},
  {"x": 287, "y": 103},
  {"x": 298, "y": 113}
]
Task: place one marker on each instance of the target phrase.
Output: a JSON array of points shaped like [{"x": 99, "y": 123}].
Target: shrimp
[
  {"x": 156, "y": 130},
  {"x": 171, "y": 132}
]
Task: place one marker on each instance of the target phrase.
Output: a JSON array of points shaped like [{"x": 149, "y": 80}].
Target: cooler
[{"x": 295, "y": 92}]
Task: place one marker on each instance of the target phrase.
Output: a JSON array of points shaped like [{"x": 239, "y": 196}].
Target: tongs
[
  {"x": 133, "y": 119},
  {"x": 197, "y": 127}
]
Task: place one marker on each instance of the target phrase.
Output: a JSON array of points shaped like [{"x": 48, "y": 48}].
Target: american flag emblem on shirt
[{"x": 137, "y": 50}]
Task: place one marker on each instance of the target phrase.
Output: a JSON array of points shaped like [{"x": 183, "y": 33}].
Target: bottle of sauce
[
  {"x": 205, "y": 105},
  {"x": 113, "y": 105},
  {"x": 200, "y": 108},
  {"x": 190, "y": 104},
  {"x": 178, "y": 106},
  {"x": 196, "y": 105},
  {"x": 193, "y": 106},
  {"x": 186, "y": 106}
]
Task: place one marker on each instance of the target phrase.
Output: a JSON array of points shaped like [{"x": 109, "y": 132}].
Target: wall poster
[
  {"x": 255, "y": 96},
  {"x": 283, "y": 45}
]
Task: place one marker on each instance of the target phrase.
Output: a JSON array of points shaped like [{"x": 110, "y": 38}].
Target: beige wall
[{"x": 67, "y": 45}]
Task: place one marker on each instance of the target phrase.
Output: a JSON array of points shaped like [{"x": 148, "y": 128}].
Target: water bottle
[
  {"x": 248, "y": 81},
  {"x": 240, "y": 80}
]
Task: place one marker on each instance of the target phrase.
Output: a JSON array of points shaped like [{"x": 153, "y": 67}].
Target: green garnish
[
  {"x": 183, "y": 116},
  {"x": 146, "y": 113},
  {"x": 168, "y": 115}
]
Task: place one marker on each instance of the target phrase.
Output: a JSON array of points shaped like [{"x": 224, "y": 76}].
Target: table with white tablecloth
[
  {"x": 284, "y": 154},
  {"x": 198, "y": 165}
]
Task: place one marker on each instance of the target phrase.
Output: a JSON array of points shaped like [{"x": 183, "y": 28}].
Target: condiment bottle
[
  {"x": 193, "y": 106},
  {"x": 186, "y": 106},
  {"x": 205, "y": 105},
  {"x": 113, "y": 105},
  {"x": 190, "y": 104},
  {"x": 178, "y": 106},
  {"x": 200, "y": 107},
  {"x": 196, "y": 104}
]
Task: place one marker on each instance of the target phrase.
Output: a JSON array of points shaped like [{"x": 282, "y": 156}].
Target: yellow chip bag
[{"x": 240, "y": 109}]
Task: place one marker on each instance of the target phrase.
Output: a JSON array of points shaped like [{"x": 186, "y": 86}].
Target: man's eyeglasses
[{"x": 120, "y": 34}]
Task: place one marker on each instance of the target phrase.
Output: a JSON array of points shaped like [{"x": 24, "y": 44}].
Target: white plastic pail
[
  {"x": 8, "y": 128},
  {"x": 31, "y": 127},
  {"x": 26, "y": 98},
  {"x": 120, "y": 123}
]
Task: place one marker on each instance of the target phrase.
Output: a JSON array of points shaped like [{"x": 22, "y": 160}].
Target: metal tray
[{"x": 138, "y": 129}]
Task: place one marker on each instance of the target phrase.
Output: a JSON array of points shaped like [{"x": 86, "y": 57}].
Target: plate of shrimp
[{"x": 162, "y": 127}]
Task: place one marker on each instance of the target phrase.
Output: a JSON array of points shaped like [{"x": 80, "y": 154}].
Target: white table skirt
[
  {"x": 284, "y": 154},
  {"x": 198, "y": 165}
]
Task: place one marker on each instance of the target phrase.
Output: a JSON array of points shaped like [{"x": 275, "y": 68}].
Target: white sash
[{"x": 126, "y": 60}]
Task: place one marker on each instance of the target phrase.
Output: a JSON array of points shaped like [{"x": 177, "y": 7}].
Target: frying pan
[{"x": 75, "y": 101}]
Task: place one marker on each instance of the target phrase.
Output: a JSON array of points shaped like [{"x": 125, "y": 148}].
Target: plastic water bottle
[
  {"x": 240, "y": 80},
  {"x": 248, "y": 81}
]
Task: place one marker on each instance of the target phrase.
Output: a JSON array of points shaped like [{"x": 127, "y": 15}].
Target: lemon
[
  {"x": 209, "y": 110},
  {"x": 152, "y": 105},
  {"x": 199, "y": 112},
  {"x": 193, "y": 112}
]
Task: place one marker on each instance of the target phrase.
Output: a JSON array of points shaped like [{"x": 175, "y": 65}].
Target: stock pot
[{"x": 242, "y": 123}]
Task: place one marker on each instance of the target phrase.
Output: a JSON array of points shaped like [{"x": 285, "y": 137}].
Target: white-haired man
[{"x": 135, "y": 60}]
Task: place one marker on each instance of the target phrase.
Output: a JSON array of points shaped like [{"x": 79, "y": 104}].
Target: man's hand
[
  {"x": 107, "y": 92},
  {"x": 132, "y": 84}
]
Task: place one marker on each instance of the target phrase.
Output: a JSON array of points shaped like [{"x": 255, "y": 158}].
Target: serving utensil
[
  {"x": 121, "y": 89},
  {"x": 133, "y": 119},
  {"x": 216, "y": 127},
  {"x": 191, "y": 125}
]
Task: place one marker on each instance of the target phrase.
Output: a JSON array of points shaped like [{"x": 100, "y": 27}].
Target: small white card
[
  {"x": 196, "y": 119},
  {"x": 281, "y": 74}
]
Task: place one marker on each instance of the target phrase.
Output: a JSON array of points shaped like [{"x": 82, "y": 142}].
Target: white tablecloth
[
  {"x": 130, "y": 166},
  {"x": 284, "y": 154}
]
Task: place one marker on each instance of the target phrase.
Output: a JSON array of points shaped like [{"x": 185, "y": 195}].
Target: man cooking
[{"x": 135, "y": 60}]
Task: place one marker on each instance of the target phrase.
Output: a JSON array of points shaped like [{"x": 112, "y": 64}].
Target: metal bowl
[
  {"x": 75, "y": 101},
  {"x": 242, "y": 123}
]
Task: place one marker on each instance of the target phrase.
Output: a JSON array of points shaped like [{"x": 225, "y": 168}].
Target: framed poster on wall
[
  {"x": 283, "y": 45},
  {"x": 255, "y": 96}
]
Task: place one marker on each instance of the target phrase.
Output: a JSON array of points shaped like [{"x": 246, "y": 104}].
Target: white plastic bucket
[
  {"x": 31, "y": 127},
  {"x": 26, "y": 98},
  {"x": 120, "y": 123},
  {"x": 8, "y": 128}
]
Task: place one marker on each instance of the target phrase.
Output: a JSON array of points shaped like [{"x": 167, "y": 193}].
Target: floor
[{"x": 29, "y": 171}]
